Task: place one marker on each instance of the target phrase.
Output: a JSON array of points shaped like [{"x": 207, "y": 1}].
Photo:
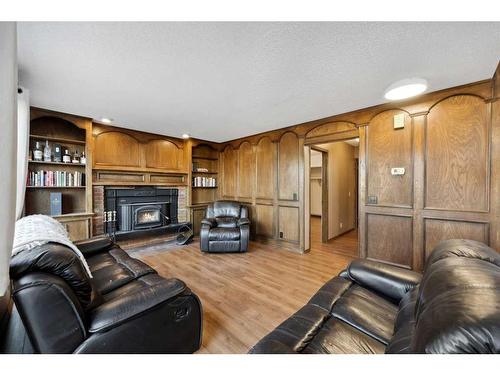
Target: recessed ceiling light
[
  {"x": 186, "y": 136},
  {"x": 406, "y": 88},
  {"x": 106, "y": 120}
]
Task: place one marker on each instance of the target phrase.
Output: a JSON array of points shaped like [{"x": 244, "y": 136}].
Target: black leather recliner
[
  {"x": 454, "y": 307},
  {"x": 125, "y": 308},
  {"x": 225, "y": 228}
]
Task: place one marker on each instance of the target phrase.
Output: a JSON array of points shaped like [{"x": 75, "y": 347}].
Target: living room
[{"x": 246, "y": 188}]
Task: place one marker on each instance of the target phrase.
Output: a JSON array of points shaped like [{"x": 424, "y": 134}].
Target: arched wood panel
[
  {"x": 162, "y": 154},
  {"x": 457, "y": 155},
  {"x": 230, "y": 169},
  {"x": 331, "y": 131},
  {"x": 265, "y": 168},
  {"x": 246, "y": 170},
  {"x": 288, "y": 169},
  {"x": 116, "y": 149},
  {"x": 389, "y": 148}
]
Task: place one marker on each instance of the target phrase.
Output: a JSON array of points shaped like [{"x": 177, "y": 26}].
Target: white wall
[
  {"x": 342, "y": 188},
  {"x": 315, "y": 182},
  {"x": 8, "y": 142}
]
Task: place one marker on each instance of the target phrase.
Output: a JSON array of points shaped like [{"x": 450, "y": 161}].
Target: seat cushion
[
  {"x": 224, "y": 234},
  {"x": 404, "y": 326},
  {"x": 366, "y": 311},
  {"x": 114, "y": 269},
  {"x": 134, "y": 286},
  {"x": 337, "y": 337}
]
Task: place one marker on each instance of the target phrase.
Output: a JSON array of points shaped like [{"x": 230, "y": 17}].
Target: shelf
[
  {"x": 204, "y": 187},
  {"x": 73, "y": 214},
  {"x": 56, "y": 139},
  {"x": 204, "y": 158},
  {"x": 56, "y": 163},
  {"x": 205, "y": 172},
  {"x": 55, "y": 187}
]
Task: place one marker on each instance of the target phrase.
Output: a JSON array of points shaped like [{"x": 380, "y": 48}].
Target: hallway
[{"x": 345, "y": 244}]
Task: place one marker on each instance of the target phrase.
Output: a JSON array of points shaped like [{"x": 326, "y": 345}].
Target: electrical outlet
[{"x": 281, "y": 234}]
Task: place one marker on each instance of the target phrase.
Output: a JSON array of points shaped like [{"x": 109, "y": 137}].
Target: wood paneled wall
[
  {"x": 123, "y": 156},
  {"x": 253, "y": 173},
  {"x": 449, "y": 147}
]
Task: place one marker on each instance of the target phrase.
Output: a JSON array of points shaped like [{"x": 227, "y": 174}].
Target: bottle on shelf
[
  {"x": 47, "y": 152},
  {"x": 76, "y": 157},
  {"x": 37, "y": 152},
  {"x": 66, "y": 157},
  {"x": 57, "y": 153},
  {"x": 83, "y": 159}
]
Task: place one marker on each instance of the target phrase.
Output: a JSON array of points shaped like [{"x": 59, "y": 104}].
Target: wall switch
[
  {"x": 372, "y": 199},
  {"x": 397, "y": 171}
]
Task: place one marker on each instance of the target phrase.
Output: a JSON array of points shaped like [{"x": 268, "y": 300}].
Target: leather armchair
[
  {"x": 126, "y": 307},
  {"x": 225, "y": 228}
]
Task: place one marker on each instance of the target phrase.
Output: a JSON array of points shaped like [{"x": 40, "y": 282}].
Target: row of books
[
  {"x": 204, "y": 182},
  {"x": 56, "y": 178}
]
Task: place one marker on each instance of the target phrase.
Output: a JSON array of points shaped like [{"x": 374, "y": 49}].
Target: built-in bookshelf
[
  {"x": 204, "y": 181},
  {"x": 70, "y": 179}
]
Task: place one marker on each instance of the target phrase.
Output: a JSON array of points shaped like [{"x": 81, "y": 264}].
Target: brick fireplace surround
[{"x": 98, "y": 204}]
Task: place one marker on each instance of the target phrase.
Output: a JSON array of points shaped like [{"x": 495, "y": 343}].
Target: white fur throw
[{"x": 35, "y": 230}]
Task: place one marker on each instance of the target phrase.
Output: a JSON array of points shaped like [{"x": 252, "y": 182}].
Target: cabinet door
[
  {"x": 77, "y": 229},
  {"x": 198, "y": 215}
]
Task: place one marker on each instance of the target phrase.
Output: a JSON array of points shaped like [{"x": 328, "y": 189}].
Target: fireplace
[
  {"x": 138, "y": 216},
  {"x": 141, "y": 209}
]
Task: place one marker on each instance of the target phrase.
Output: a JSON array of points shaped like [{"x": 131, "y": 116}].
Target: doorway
[{"x": 333, "y": 197}]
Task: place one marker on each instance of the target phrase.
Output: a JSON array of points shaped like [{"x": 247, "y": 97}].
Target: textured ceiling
[{"x": 220, "y": 81}]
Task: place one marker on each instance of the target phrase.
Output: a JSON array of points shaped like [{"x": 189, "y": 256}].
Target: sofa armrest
[
  {"x": 209, "y": 221},
  {"x": 391, "y": 281},
  {"x": 126, "y": 307},
  {"x": 243, "y": 221},
  {"x": 94, "y": 245}
]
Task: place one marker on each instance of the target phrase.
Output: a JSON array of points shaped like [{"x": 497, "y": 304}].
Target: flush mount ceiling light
[
  {"x": 106, "y": 120},
  {"x": 406, "y": 88},
  {"x": 186, "y": 136}
]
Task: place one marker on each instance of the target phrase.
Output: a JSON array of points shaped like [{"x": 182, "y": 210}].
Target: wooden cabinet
[
  {"x": 197, "y": 215},
  {"x": 127, "y": 150},
  {"x": 78, "y": 226}
]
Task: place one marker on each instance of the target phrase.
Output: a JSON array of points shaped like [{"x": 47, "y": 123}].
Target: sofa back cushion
[
  {"x": 54, "y": 259},
  {"x": 458, "y": 305}
]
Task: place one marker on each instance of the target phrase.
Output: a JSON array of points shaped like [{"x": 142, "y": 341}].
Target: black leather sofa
[
  {"x": 125, "y": 308},
  {"x": 225, "y": 228},
  {"x": 454, "y": 307}
]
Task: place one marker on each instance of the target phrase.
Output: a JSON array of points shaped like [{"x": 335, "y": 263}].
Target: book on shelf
[
  {"x": 204, "y": 182},
  {"x": 55, "y": 179}
]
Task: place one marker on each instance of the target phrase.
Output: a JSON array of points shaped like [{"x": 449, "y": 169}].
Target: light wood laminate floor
[
  {"x": 246, "y": 295},
  {"x": 345, "y": 244}
]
